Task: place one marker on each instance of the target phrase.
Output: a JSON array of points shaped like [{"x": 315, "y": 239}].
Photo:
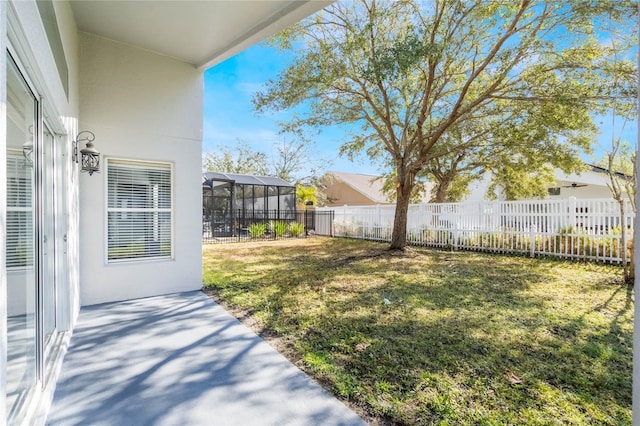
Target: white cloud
[{"x": 249, "y": 88}]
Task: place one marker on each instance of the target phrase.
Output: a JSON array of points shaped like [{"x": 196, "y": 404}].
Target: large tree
[
  {"x": 291, "y": 160},
  {"x": 294, "y": 159},
  {"x": 518, "y": 151},
  {"x": 521, "y": 158},
  {"x": 407, "y": 71},
  {"x": 240, "y": 159},
  {"x": 620, "y": 161}
]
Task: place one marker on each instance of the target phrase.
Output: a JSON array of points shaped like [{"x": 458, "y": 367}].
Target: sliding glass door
[
  {"x": 21, "y": 253},
  {"x": 35, "y": 242}
]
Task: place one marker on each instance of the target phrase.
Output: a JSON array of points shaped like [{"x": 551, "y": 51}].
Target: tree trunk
[
  {"x": 627, "y": 268},
  {"x": 441, "y": 190},
  {"x": 631, "y": 276},
  {"x": 399, "y": 234}
]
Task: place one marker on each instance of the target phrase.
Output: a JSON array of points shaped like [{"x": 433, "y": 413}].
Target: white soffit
[
  {"x": 587, "y": 177},
  {"x": 203, "y": 33}
]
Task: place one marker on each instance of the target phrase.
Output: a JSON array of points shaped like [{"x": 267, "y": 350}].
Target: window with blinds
[
  {"x": 19, "y": 242},
  {"x": 139, "y": 211}
]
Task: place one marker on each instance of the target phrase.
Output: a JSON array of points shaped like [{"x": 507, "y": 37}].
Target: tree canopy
[
  {"x": 239, "y": 159},
  {"x": 291, "y": 160},
  {"x": 620, "y": 161},
  {"x": 420, "y": 81}
]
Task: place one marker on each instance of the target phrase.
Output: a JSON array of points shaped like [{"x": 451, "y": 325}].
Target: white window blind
[
  {"x": 19, "y": 242},
  {"x": 139, "y": 210}
]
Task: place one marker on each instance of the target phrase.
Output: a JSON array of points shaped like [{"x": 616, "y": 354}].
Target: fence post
[
  {"x": 306, "y": 229},
  {"x": 496, "y": 211},
  {"x": 344, "y": 214},
  {"x": 532, "y": 239},
  {"x": 455, "y": 237},
  {"x": 332, "y": 218},
  {"x": 237, "y": 225},
  {"x": 573, "y": 214}
]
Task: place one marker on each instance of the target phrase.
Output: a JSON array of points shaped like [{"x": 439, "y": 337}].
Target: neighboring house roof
[
  {"x": 599, "y": 169},
  {"x": 368, "y": 185},
  {"x": 209, "y": 177}
]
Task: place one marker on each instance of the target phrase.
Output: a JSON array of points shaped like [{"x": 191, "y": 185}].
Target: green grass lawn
[{"x": 462, "y": 337}]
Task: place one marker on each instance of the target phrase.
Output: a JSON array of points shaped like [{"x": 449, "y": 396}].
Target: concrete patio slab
[{"x": 181, "y": 359}]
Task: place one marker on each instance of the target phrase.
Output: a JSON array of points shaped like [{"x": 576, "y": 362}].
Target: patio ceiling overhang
[{"x": 202, "y": 33}]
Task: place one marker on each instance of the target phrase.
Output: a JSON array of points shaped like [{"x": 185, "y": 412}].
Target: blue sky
[{"x": 229, "y": 116}]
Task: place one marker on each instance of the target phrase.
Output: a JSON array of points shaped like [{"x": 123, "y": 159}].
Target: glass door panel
[
  {"x": 20, "y": 240},
  {"x": 48, "y": 237},
  {"x": 61, "y": 228}
]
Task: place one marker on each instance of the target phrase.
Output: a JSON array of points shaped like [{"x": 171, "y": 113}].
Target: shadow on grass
[{"x": 434, "y": 336}]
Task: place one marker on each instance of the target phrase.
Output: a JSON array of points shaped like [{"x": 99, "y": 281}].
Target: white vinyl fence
[{"x": 570, "y": 228}]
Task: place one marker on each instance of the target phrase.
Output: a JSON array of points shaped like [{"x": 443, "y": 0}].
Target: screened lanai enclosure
[{"x": 231, "y": 203}]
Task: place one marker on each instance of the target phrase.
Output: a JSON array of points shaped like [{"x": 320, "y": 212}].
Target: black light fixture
[{"x": 90, "y": 157}]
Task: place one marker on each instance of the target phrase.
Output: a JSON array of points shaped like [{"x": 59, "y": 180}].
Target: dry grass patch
[{"x": 434, "y": 337}]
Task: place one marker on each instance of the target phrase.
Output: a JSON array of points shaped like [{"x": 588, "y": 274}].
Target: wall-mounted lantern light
[
  {"x": 27, "y": 148},
  {"x": 89, "y": 156},
  {"x": 27, "y": 152}
]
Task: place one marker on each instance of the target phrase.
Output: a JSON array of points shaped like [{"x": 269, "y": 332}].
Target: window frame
[{"x": 138, "y": 164}]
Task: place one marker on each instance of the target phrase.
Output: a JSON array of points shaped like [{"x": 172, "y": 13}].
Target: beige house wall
[
  {"x": 342, "y": 194},
  {"x": 145, "y": 107}
]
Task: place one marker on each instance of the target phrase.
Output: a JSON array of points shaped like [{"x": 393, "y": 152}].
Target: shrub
[
  {"x": 257, "y": 230},
  {"x": 296, "y": 229},
  {"x": 278, "y": 227}
]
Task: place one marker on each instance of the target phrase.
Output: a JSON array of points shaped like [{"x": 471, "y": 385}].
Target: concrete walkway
[{"x": 180, "y": 360}]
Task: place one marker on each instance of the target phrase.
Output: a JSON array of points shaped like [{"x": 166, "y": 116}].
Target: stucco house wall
[
  {"x": 342, "y": 194},
  {"x": 353, "y": 189},
  {"x": 582, "y": 192},
  {"x": 588, "y": 184},
  {"x": 141, "y": 106},
  {"x": 70, "y": 111}
]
